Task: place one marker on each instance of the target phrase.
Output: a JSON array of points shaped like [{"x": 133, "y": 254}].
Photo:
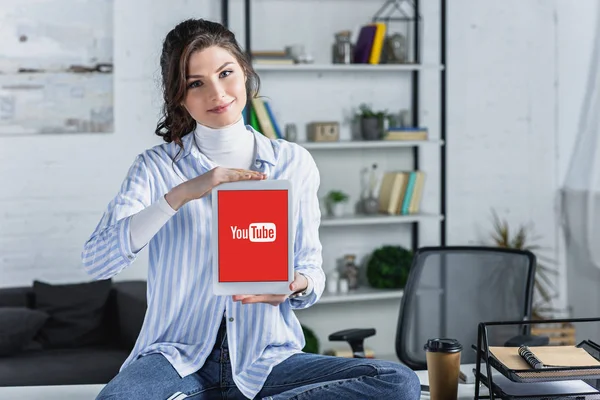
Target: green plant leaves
[
  {"x": 336, "y": 196},
  {"x": 388, "y": 267},
  {"x": 312, "y": 342},
  {"x": 523, "y": 239}
]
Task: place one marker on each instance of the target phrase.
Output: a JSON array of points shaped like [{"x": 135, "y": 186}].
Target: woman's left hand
[{"x": 299, "y": 284}]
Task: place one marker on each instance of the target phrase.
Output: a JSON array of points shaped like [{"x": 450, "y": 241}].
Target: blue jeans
[{"x": 302, "y": 376}]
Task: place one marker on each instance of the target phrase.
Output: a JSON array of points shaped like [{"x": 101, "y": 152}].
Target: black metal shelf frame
[
  {"x": 484, "y": 357},
  {"x": 415, "y": 98}
]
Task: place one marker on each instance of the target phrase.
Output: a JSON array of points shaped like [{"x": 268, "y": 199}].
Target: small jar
[
  {"x": 342, "y": 48},
  {"x": 343, "y": 286},
  {"x": 332, "y": 282},
  {"x": 291, "y": 132}
]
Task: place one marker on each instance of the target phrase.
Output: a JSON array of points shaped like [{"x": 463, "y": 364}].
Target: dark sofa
[{"x": 71, "y": 346}]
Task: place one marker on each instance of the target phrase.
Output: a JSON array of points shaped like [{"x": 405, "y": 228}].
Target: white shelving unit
[
  {"x": 359, "y": 233},
  {"x": 361, "y": 294},
  {"x": 371, "y": 294},
  {"x": 367, "y": 144},
  {"x": 345, "y": 67},
  {"x": 360, "y": 219}
]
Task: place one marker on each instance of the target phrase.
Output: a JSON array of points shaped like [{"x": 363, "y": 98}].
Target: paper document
[{"x": 539, "y": 388}]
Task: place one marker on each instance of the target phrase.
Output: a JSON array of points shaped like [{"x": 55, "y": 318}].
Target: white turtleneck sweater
[{"x": 229, "y": 147}]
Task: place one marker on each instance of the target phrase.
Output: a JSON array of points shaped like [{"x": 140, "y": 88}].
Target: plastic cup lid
[{"x": 443, "y": 345}]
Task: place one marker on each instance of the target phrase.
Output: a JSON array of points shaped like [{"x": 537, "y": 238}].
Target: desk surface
[
  {"x": 58, "y": 392},
  {"x": 465, "y": 391}
]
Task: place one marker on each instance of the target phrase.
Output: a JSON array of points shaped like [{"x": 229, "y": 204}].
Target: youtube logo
[
  {"x": 254, "y": 236},
  {"x": 256, "y": 232}
]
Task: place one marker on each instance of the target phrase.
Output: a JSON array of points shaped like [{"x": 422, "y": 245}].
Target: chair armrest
[
  {"x": 355, "y": 338},
  {"x": 131, "y": 309},
  {"x": 527, "y": 340},
  {"x": 352, "y": 334}
]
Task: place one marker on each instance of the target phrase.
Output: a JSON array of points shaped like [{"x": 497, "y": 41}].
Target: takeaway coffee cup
[{"x": 443, "y": 368}]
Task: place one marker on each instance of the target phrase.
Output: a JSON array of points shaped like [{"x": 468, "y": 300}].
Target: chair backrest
[{"x": 451, "y": 289}]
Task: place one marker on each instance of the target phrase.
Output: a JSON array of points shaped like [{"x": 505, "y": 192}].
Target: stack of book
[
  {"x": 400, "y": 192},
  {"x": 262, "y": 119},
  {"x": 369, "y": 44},
  {"x": 542, "y": 372},
  {"x": 274, "y": 57},
  {"x": 405, "y": 133}
]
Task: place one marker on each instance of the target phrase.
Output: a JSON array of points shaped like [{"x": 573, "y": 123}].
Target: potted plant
[
  {"x": 522, "y": 239},
  {"x": 388, "y": 267},
  {"x": 336, "y": 202},
  {"x": 311, "y": 341},
  {"x": 371, "y": 122}
]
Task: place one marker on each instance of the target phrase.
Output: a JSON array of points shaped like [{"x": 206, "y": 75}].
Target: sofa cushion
[
  {"x": 61, "y": 367},
  {"x": 16, "y": 297},
  {"x": 76, "y": 313},
  {"x": 18, "y": 325}
]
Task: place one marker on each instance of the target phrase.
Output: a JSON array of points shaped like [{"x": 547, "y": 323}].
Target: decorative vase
[
  {"x": 371, "y": 205},
  {"x": 351, "y": 271},
  {"x": 370, "y": 128},
  {"x": 370, "y": 200},
  {"x": 337, "y": 209}
]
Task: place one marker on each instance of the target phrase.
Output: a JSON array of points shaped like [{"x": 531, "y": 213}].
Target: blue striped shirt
[{"x": 183, "y": 315}]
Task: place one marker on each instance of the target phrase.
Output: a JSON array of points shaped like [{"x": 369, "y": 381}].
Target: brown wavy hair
[{"x": 180, "y": 43}]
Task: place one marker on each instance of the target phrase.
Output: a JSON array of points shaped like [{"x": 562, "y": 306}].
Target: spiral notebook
[
  {"x": 572, "y": 358},
  {"x": 540, "y": 357}
]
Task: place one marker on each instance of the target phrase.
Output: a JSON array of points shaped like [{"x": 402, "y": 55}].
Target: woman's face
[{"x": 216, "y": 87}]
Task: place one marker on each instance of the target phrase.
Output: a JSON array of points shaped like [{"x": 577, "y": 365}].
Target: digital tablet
[{"x": 252, "y": 237}]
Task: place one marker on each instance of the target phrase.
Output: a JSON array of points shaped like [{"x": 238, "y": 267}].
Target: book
[
  {"x": 392, "y": 192},
  {"x": 557, "y": 356},
  {"x": 415, "y": 201},
  {"x": 263, "y": 118},
  {"x": 573, "y": 360},
  {"x": 377, "y": 45},
  {"x": 364, "y": 43},
  {"x": 410, "y": 185},
  {"x": 538, "y": 390},
  {"x": 394, "y": 133},
  {"x": 274, "y": 123}
]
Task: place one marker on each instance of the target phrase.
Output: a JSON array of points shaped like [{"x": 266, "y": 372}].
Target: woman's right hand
[
  {"x": 199, "y": 186},
  {"x": 220, "y": 175}
]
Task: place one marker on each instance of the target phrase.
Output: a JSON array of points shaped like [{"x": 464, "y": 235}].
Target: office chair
[{"x": 449, "y": 291}]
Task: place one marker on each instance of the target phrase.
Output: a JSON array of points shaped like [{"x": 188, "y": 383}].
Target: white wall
[
  {"x": 54, "y": 188},
  {"x": 515, "y": 76},
  {"x": 517, "y": 80},
  {"x": 575, "y": 39},
  {"x": 502, "y": 124}
]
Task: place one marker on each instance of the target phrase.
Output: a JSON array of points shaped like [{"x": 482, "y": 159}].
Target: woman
[{"x": 193, "y": 344}]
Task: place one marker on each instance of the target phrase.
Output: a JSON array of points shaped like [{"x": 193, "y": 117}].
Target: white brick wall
[
  {"x": 575, "y": 40},
  {"x": 502, "y": 122},
  {"x": 506, "y": 61}
]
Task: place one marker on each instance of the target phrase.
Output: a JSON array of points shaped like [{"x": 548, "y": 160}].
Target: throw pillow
[
  {"x": 76, "y": 313},
  {"x": 18, "y": 326}
]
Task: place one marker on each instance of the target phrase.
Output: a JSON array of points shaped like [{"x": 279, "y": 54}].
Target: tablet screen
[{"x": 253, "y": 235}]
